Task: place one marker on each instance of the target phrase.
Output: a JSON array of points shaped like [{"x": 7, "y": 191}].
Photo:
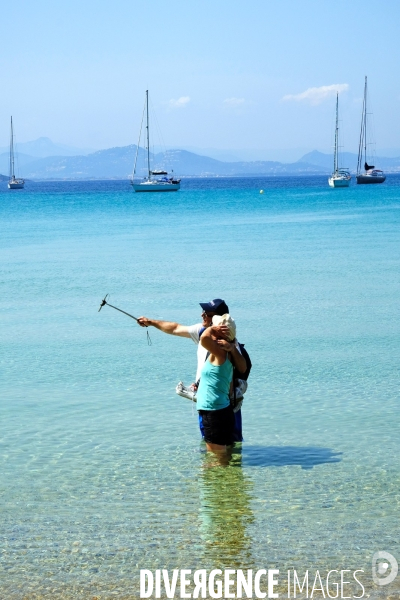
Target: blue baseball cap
[{"x": 217, "y": 306}]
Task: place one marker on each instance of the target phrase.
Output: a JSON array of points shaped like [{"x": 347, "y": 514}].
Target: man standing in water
[{"x": 214, "y": 307}]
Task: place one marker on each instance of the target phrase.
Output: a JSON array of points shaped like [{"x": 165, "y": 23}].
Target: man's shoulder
[{"x": 195, "y": 331}]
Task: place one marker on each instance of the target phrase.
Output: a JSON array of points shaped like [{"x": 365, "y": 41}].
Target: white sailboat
[
  {"x": 157, "y": 180},
  {"x": 340, "y": 177},
  {"x": 370, "y": 174},
  {"x": 14, "y": 183}
]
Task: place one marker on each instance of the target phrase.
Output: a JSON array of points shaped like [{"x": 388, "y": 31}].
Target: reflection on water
[{"x": 225, "y": 512}]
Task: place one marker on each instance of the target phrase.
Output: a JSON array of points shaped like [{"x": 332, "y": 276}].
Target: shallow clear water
[{"x": 102, "y": 469}]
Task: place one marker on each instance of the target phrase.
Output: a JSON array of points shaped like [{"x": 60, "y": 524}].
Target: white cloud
[
  {"x": 180, "y": 103},
  {"x": 234, "y": 101},
  {"x": 316, "y": 95}
]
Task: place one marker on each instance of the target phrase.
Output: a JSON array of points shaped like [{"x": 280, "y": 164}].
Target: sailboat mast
[
  {"x": 335, "y": 158},
  {"x": 365, "y": 120},
  {"x": 148, "y": 136},
  {"x": 12, "y": 174},
  {"x": 363, "y": 137}
]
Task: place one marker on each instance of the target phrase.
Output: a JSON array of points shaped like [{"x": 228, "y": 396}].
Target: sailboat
[
  {"x": 370, "y": 174},
  {"x": 157, "y": 180},
  {"x": 340, "y": 177},
  {"x": 13, "y": 183}
]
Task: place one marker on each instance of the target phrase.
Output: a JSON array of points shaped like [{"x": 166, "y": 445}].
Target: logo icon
[{"x": 384, "y": 568}]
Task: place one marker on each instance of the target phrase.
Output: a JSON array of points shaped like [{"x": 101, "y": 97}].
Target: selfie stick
[{"x": 104, "y": 302}]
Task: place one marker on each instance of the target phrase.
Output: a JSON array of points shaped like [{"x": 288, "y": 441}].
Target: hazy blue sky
[{"x": 218, "y": 71}]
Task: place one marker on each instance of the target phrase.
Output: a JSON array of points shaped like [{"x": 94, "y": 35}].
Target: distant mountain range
[
  {"x": 349, "y": 160},
  {"x": 44, "y": 147},
  {"x": 117, "y": 163}
]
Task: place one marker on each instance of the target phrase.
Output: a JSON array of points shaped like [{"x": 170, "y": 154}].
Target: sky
[{"x": 255, "y": 78}]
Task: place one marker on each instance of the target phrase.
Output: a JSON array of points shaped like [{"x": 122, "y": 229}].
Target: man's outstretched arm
[{"x": 165, "y": 326}]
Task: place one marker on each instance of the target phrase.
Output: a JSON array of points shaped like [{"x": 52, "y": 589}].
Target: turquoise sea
[{"x": 102, "y": 471}]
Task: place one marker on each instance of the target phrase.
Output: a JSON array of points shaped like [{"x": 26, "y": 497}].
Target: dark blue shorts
[
  {"x": 237, "y": 430},
  {"x": 218, "y": 426}
]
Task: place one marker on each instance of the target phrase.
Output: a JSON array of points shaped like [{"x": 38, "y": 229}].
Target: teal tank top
[{"x": 215, "y": 381}]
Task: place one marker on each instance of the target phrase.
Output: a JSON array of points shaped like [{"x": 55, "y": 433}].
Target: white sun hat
[{"x": 228, "y": 321}]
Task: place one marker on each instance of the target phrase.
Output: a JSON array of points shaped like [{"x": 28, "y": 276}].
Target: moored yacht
[
  {"x": 157, "y": 180},
  {"x": 14, "y": 183},
  {"x": 340, "y": 177},
  {"x": 371, "y": 174}
]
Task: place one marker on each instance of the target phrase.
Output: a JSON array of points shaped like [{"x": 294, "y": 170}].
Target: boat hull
[
  {"x": 156, "y": 187},
  {"x": 338, "y": 182},
  {"x": 371, "y": 178},
  {"x": 16, "y": 185}
]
